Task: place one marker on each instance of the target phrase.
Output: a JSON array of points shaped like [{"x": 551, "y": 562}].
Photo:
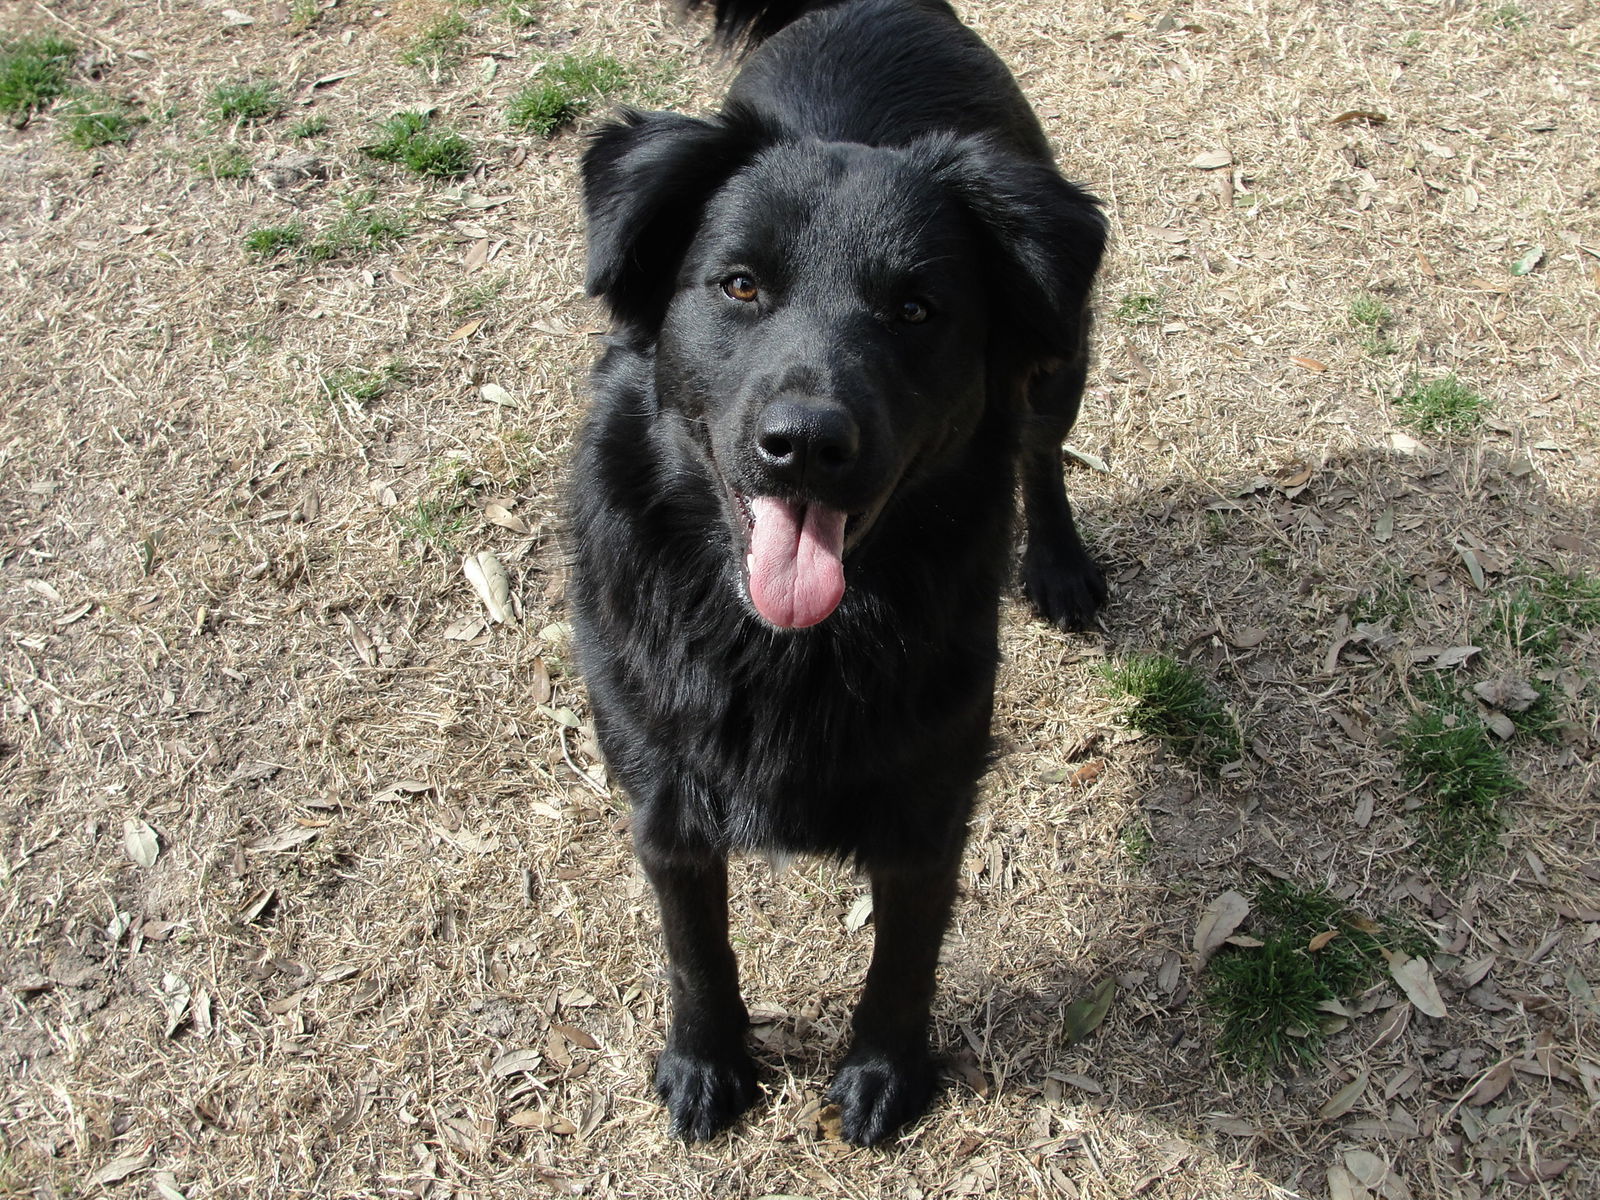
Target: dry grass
[{"x": 379, "y": 875}]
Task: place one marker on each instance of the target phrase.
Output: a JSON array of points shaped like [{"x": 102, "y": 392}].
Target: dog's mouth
[{"x": 794, "y": 558}]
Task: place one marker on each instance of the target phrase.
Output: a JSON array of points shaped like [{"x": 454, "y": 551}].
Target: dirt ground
[{"x": 312, "y": 886}]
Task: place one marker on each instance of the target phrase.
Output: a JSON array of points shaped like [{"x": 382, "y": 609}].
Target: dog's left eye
[
  {"x": 741, "y": 288},
  {"x": 914, "y": 312}
]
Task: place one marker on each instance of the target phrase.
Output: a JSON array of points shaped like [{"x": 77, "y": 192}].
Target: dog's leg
[
  {"x": 888, "y": 1076},
  {"x": 704, "y": 1075},
  {"x": 1058, "y": 575}
]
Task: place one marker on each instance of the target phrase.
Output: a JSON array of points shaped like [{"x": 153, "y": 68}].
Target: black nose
[{"x": 804, "y": 439}]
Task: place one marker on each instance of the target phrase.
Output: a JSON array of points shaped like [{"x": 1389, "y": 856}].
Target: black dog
[{"x": 847, "y": 309}]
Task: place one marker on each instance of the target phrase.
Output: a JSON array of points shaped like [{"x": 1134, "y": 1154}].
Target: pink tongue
[{"x": 796, "y": 572}]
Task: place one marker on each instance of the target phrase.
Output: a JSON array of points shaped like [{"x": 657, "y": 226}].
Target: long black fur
[{"x": 865, "y": 146}]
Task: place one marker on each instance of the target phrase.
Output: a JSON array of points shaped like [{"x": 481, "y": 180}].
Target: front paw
[
  {"x": 1068, "y": 589},
  {"x": 878, "y": 1092},
  {"x": 704, "y": 1092}
]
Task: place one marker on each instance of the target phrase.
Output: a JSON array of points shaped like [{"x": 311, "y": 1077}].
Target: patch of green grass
[
  {"x": 433, "y": 521},
  {"x": 1446, "y": 406},
  {"x": 409, "y": 140},
  {"x": 1139, "y": 308},
  {"x": 1577, "y": 595},
  {"x": 1541, "y": 719},
  {"x": 245, "y": 102},
  {"x": 1506, "y": 16},
  {"x": 226, "y": 162},
  {"x": 97, "y": 120},
  {"x": 1271, "y": 999},
  {"x": 1372, "y": 317},
  {"x": 1466, "y": 780},
  {"x": 1526, "y": 623},
  {"x": 361, "y": 228},
  {"x": 313, "y": 126},
  {"x": 1387, "y": 597},
  {"x": 1531, "y": 619},
  {"x": 33, "y": 72},
  {"x": 438, "y": 46},
  {"x": 476, "y": 297},
  {"x": 303, "y": 16},
  {"x": 272, "y": 240},
  {"x": 1268, "y": 1000},
  {"x": 1172, "y": 702},
  {"x": 564, "y": 90},
  {"x": 357, "y": 387},
  {"x": 1137, "y": 842},
  {"x": 523, "y": 14}
]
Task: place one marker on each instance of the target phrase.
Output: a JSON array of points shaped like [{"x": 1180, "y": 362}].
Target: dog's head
[{"x": 833, "y": 320}]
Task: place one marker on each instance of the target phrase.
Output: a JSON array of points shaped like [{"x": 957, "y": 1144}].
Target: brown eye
[
  {"x": 913, "y": 312},
  {"x": 741, "y": 288}
]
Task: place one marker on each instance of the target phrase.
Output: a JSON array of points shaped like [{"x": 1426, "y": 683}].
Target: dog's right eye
[{"x": 741, "y": 288}]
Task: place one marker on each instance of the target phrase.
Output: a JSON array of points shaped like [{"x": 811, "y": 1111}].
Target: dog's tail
[{"x": 751, "y": 22}]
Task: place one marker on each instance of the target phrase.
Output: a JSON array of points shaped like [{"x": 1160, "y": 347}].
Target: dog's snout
[{"x": 801, "y": 439}]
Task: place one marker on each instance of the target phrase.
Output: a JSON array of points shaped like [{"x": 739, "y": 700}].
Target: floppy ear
[
  {"x": 646, "y": 180},
  {"x": 1049, "y": 236}
]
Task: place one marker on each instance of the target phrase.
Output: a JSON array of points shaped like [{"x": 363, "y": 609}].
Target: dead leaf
[
  {"x": 1506, "y": 693},
  {"x": 1415, "y": 978},
  {"x": 1528, "y": 261},
  {"x": 1093, "y": 461},
  {"x": 515, "y": 1062},
  {"x": 495, "y": 394},
  {"x": 561, "y": 716},
  {"x": 119, "y": 1169},
  {"x": 1541, "y": 1170},
  {"x": 478, "y": 255},
  {"x": 1489, "y": 1085},
  {"x": 576, "y": 1036},
  {"x": 1225, "y": 914},
  {"x": 285, "y": 839},
  {"x": 1088, "y": 773},
  {"x": 1358, "y": 114},
  {"x": 530, "y": 1118},
  {"x": 1211, "y": 160},
  {"x": 860, "y": 912},
  {"x": 1404, "y": 443},
  {"x": 489, "y": 580},
  {"x": 1343, "y": 1100},
  {"x": 1084, "y": 1015},
  {"x": 1342, "y": 1187},
  {"x": 75, "y": 615},
  {"x": 539, "y": 684},
  {"x": 256, "y": 904},
  {"x": 463, "y": 332},
  {"x": 966, "y": 1065},
  {"x": 1425, "y": 266},
  {"x": 505, "y": 518},
  {"x": 1309, "y": 364},
  {"x": 1474, "y": 568},
  {"x": 401, "y": 789},
  {"x": 1321, "y": 940},
  {"x": 1366, "y": 1167},
  {"x": 140, "y": 842},
  {"x": 361, "y": 641},
  {"x": 468, "y": 840},
  {"x": 1455, "y": 656}
]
